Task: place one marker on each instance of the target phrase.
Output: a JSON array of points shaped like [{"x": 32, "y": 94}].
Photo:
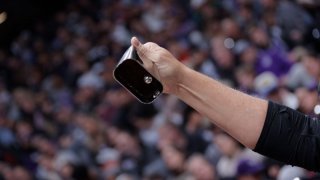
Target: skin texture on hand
[{"x": 160, "y": 63}]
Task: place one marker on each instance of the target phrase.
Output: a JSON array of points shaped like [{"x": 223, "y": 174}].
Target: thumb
[
  {"x": 147, "y": 52},
  {"x": 142, "y": 50}
]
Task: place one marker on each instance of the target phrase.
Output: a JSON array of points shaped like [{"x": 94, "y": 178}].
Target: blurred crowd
[{"x": 63, "y": 116}]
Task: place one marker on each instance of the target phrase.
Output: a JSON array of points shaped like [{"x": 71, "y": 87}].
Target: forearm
[{"x": 241, "y": 115}]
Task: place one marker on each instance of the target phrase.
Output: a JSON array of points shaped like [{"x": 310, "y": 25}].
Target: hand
[{"x": 161, "y": 64}]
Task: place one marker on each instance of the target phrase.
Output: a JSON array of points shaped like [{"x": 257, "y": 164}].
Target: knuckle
[
  {"x": 142, "y": 51},
  {"x": 148, "y": 44},
  {"x": 158, "y": 56}
]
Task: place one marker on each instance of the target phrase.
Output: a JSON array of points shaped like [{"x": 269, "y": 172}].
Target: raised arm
[
  {"x": 268, "y": 128},
  {"x": 240, "y": 115}
]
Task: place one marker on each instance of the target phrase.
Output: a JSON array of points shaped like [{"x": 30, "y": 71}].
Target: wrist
[{"x": 182, "y": 80}]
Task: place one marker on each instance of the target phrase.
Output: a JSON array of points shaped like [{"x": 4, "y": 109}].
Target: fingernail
[{"x": 135, "y": 42}]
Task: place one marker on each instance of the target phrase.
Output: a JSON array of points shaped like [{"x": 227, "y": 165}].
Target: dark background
[{"x": 23, "y": 14}]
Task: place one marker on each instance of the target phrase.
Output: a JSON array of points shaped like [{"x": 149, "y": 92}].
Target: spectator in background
[
  {"x": 245, "y": 76},
  {"x": 308, "y": 99},
  {"x": 225, "y": 60},
  {"x": 267, "y": 86},
  {"x": 248, "y": 169},
  {"x": 312, "y": 64},
  {"x": 194, "y": 128},
  {"x": 200, "y": 168},
  {"x": 298, "y": 76},
  {"x": 201, "y": 61},
  {"x": 232, "y": 153},
  {"x": 109, "y": 161},
  {"x": 271, "y": 55},
  {"x": 174, "y": 160}
]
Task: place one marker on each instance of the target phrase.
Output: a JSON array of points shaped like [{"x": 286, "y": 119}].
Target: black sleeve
[{"x": 291, "y": 137}]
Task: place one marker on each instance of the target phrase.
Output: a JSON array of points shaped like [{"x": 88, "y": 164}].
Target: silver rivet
[
  {"x": 147, "y": 79},
  {"x": 156, "y": 94}
]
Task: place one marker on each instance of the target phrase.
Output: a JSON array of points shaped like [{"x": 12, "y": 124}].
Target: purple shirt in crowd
[{"x": 273, "y": 59}]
